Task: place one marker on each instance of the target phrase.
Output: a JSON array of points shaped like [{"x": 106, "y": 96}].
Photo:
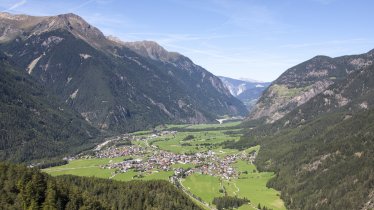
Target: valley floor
[{"x": 190, "y": 156}]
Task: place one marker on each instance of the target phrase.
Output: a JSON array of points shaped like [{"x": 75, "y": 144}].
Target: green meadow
[
  {"x": 201, "y": 141},
  {"x": 91, "y": 168},
  {"x": 250, "y": 184},
  {"x": 85, "y": 167},
  {"x": 204, "y": 186}
]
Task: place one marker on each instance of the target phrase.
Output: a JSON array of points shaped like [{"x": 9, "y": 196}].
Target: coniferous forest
[{"x": 25, "y": 188}]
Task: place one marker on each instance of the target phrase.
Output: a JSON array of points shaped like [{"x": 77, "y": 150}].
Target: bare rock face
[{"x": 301, "y": 83}]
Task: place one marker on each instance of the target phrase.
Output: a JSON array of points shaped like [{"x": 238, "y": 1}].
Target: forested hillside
[
  {"x": 24, "y": 188},
  {"x": 33, "y": 123},
  {"x": 322, "y": 151}
]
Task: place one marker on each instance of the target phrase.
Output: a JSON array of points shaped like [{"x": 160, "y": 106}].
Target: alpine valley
[{"x": 89, "y": 121}]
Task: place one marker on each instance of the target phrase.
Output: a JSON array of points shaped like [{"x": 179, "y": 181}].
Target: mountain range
[
  {"x": 114, "y": 85},
  {"x": 246, "y": 90},
  {"x": 80, "y": 84}
]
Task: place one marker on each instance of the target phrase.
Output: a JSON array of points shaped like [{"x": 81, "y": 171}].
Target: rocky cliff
[{"x": 300, "y": 83}]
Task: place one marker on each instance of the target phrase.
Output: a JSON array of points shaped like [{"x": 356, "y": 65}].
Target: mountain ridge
[
  {"x": 302, "y": 82},
  {"x": 111, "y": 85}
]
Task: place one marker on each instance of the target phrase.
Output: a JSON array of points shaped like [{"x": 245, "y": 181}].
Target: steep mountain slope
[
  {"x": 301, "y": 83},
  {"x": 109, "y": 84},
  {"x": 33, "y": 124},
  {"x": 246, "y": 91},
  {"x": 195, "y": 80},
  {"x": 355, "y": 93},
  {"x": 324, "y": 164},
  {"x": 322, "y": 151}
]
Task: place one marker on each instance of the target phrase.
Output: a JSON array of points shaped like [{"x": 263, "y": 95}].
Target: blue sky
[{"x": 256, "y": 39}]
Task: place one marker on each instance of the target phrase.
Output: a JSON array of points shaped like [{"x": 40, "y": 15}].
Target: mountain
[
  {"x": 114, "y": 85},
  {"x": 300, "y": 83},
  {"x": 248, "y": 91},
  {"x": 34, "y": 124},
  {"x": 321, "y": 151},
  {"x": 25, "y": 188}
]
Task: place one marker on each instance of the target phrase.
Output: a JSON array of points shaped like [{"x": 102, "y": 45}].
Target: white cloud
[{"x": 16, "y": 5}]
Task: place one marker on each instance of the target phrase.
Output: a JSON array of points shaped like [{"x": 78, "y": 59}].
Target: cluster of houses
[
  {"x": 157, "y": 159},
  {"x": 222, "y": 167},
  {"x": 112, "y": 152},
  {"x": 151, "y": 159}
]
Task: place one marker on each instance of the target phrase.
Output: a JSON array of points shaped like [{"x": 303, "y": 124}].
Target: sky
[{"x": 257, "y": 39}]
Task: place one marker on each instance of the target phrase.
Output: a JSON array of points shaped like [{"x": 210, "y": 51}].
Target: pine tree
[
  {"x": 33, "y": 206},
  {"x": 50, "y": 197}
]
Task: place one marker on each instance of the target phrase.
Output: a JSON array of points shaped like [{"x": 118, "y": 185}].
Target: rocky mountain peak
[
  {"x": 153, "y": 50},
  {"x": 77, "y": 26},
  {"x": 24, "y": 26}
]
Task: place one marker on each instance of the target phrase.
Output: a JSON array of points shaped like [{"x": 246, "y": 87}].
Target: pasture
[{"x": 249, "y": 183}]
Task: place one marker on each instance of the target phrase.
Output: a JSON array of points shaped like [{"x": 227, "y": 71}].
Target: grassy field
[
  {"x": 204, "y": 186},
  {"x": 198, "y": 126},
  {"x": 250, "y": 184},
  {"x": 85, "y": 167},
  {"x": 253, "y": 186},
  {"x": 202, "y": 141},
  {"x": 91, "y": 168},
  {"x": 223, "y": 125}
]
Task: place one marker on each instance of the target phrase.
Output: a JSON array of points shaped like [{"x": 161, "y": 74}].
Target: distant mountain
[
  {"x": 248, "y": 91},
  {"x": 300, "y": 83},
  {"x": 114, "y": 85},
  {"x": 34, "y": 124}
]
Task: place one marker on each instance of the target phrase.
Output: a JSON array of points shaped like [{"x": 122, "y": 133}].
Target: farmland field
[
  {"x": 211, "y": 170},
  {"x": 204, "y": 186}
]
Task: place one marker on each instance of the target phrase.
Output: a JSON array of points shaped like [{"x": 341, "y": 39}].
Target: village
[{"x": 150, "y": 158}]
